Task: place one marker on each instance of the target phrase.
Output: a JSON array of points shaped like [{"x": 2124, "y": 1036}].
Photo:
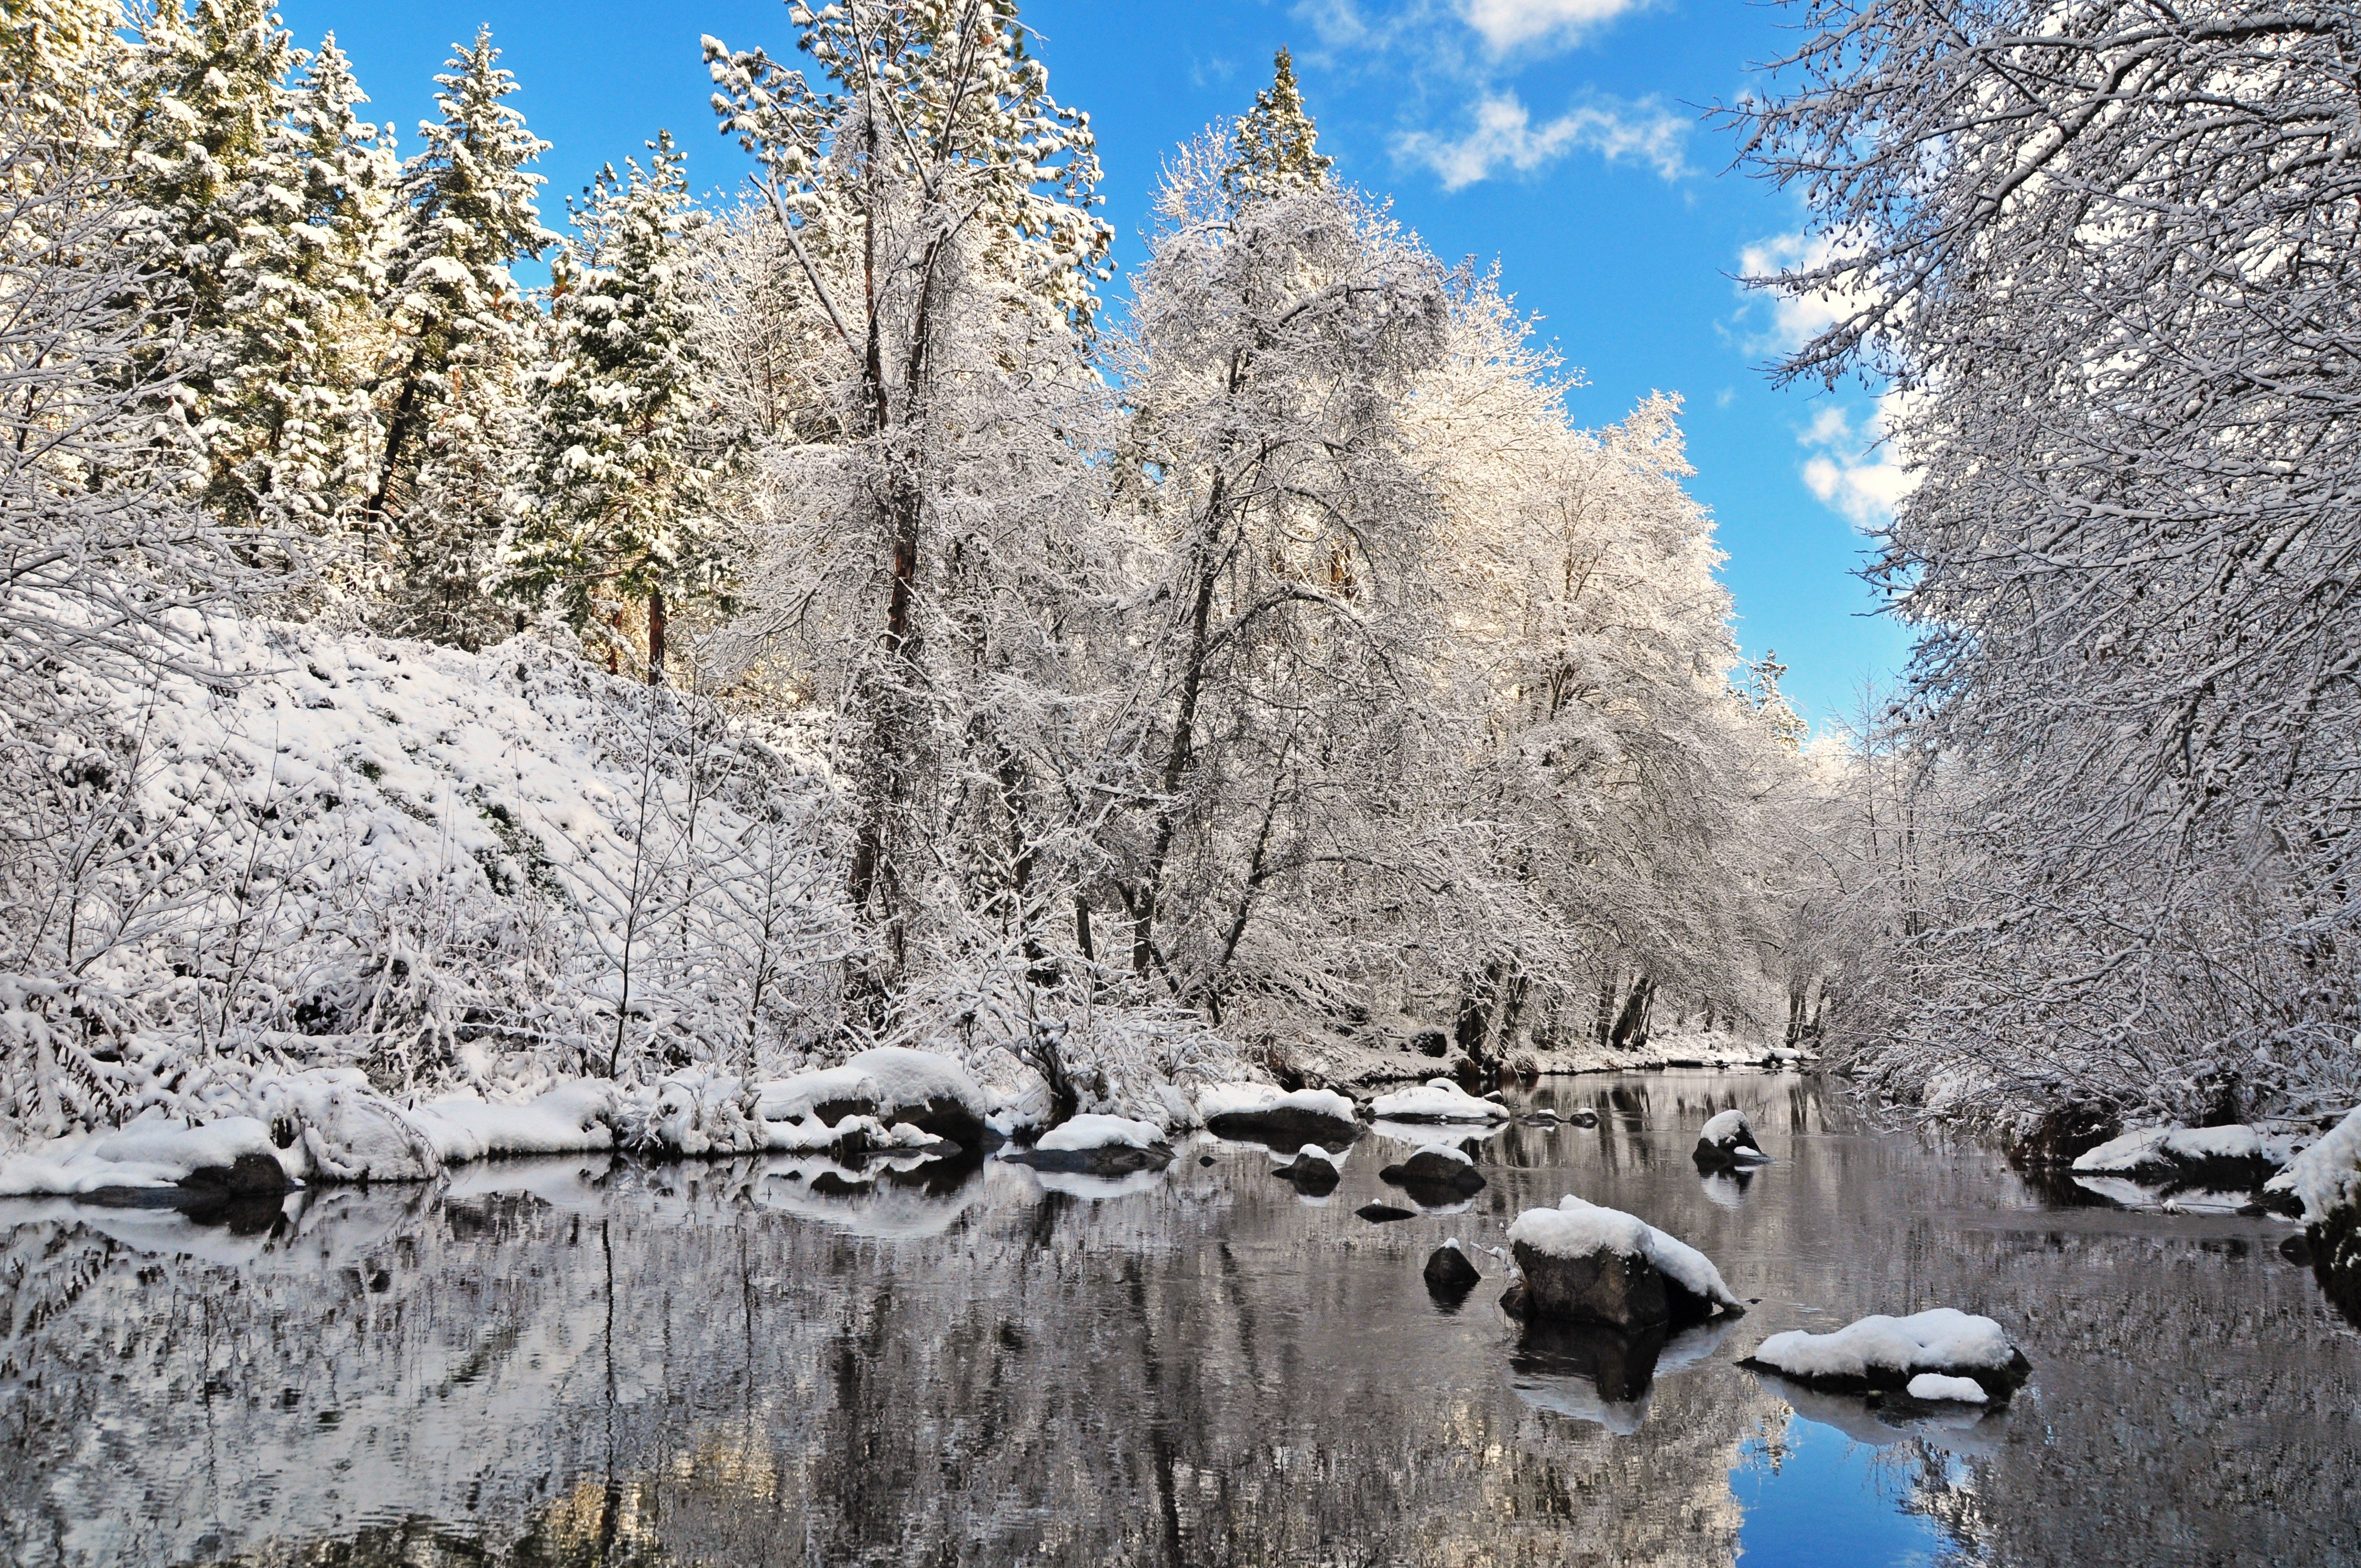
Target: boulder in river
[
  {"x": 1728, "y": 1141},
  {"x": 2325, "y": 1182},
  {"x": 1381, "y": 1213},
  {"x": 1313, "y": 1170},
  {"x": 1098, "y": 1145},
  {"x": 1581, "y": 1116},
  {"x": 1449, "y": 1275},
  {"x": 1579, "y": 1262},
  {"x": 888, "y": 1084},
  {"x": 1436, "y": 1176},
  {"x": 1262, "y": 1113}
]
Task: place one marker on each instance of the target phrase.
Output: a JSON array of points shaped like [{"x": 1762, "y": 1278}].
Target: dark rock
[
  {"x": 1621, "y": 1363},
  {"x": 1431, "y": 1043},
  {"x": 941, "y": 1114},
  {"x": 1620, "y": 1290},
  {"x": 1286, "y": 1127},
  {"x": 1581, "y": 1116},
  {"x": 1109, "y": 1159},
  {"x": 1311, "y": 1174},
  {"x": 1449, "y": 1275},
  {"x": 1496, "y": 1098},
  {"x": 2335, "y": 1243},
  {"x": 1380, "y": 1213},
  {"x": 1204, "y": 1159},
  {"x": 249, "y": 1176},
  {"x": 2297, "y": 1249},
  {"x": 829, "y": 1184},
  {"x": 2064, "y": 1134},
  {"x": 1433, "y": 1179}
]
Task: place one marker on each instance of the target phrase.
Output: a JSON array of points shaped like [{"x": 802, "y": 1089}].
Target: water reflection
[{"x": 780, "y": 1362}]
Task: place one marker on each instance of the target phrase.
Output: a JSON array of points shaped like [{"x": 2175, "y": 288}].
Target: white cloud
[
  {"x": 1505, "y": 136},
  {"x": 1796, "y": 319},
  {"x": 1505, "y": 24},
  {"x": 1857, "y": 470}
]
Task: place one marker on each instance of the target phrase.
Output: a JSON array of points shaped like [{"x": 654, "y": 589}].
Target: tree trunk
[
  {"x": 656, "y": 623},
  {"x": 1631, "y": 1024}
]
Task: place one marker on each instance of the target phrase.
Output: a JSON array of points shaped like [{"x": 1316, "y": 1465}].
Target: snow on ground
[
  {"x": 152, "y": 1152},
  {"x": 575, "y": 1118},
  {"x": 1437, "y": 1100},
  {"x": 1089, "y": 1132},
  {"x": 892, "y": 1077},
  {"x": 1577, "y": 1229},
  {"x": 2327, "y": 1176},
  {"x": 1943, "y": 1339}
]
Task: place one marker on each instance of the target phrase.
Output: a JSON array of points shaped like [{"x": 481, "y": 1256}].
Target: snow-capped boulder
[
  {"x": 888, "y": 1084},
  {"x": 1728, "y": 1141},
  {"x": 1887, "y": 1353},
  {"x": 1263, "y": 1113},
  {"x": 156, "y": 1159},
  {"x": 1584, "y": 1263},
  {"x": 1449, "y": 1275},
  {"x": 1437, "y": 1100},
  {"x": 333, "y": 1125},
  {"x": 1435, "y": 1174},
  {"x": 1581, "y": 1116},
  {"x": 2235, "y": 1160},
  {"x": 572, "y": 1118},
  {"x": 1097, "y": 1146},
  {"x": 2325, "y": 1178},
  {"x": 1314, "y": 1170}
]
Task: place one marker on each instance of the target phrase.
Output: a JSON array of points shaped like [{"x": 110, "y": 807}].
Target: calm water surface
[{"x": 588, "y": 1361}]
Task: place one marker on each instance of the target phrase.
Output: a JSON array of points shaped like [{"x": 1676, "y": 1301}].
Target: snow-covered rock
[
  {"x": 1725, "y": 1141},
  {"x": 2225, "y": 1157},
  {"x": 1588, "y": 1263},
  {"x": 155, "y": 1154},
  {"x": 1263, "y": 1113},
  {"x": 572, "y": 1118},
  {"x": 1098, "y": 1145},
  {"x": 1315, "y": 1172},
  {"x": 1437, "y": 1100},
  {"x": 2325, "y": 1177},
  {"x": 890, "y": 1083},
  {"x": 1880, "y": 1352},
  {"x": 1435, "y": 1174}
]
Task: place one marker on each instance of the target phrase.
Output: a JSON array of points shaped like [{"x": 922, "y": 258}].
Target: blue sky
[{"x": 1561, "y": 137}]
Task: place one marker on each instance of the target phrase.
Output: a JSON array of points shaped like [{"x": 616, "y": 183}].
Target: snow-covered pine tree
[
  {"x": 1275, "y": 148},
  {"x": 290, "y": 422},
  {"x": 62, "y": 52},
  {"x": 631, "y": 436},
  {"x": 453, "y": 396}
]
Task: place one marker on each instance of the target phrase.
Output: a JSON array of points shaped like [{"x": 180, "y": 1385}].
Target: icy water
[{"x": 587, "y": 1361}]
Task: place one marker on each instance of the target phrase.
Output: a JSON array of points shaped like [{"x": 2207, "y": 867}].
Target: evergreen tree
[
  {"x": 1275, "y": 149},
  {"x": 454, "y": 396},
  {"x": 290, "y": 422},
  {"x": 60, "y": 51},
  {"x": 631, "y": 436}
]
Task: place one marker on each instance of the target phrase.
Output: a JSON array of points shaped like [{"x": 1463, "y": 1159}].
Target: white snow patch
[
  {"x": 574, "y": 1118},
  {"x": 1089, "y": 1132},
  {"x": 892, "y": 1077},
  {"x": 1935, "y": 1386},
  {"x": 1438, "y": 1099},
  {"x": 1943, "y": 1339},
  {"x": 2327, "y": 1176},
  {"x": 1577, "y": 1229},
  {"x": 1726, "y": 1126},
  {"x": 2165, "y": 1145}
]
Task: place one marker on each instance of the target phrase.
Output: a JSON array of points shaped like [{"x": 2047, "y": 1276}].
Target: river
[{"x": 590, "y": 1361}]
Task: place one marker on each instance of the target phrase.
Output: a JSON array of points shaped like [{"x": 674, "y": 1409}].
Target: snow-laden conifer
[
  {"x": 632, "y": 436},
  {"x": 453, "y": 396}
]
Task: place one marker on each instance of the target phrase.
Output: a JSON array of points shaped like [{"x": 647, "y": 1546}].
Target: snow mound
[
  {"x": 337, "y": 1127},
  {"x": 152, "y": 1152},
  {"x": 2152, "y": 1148},
  {"x": 1438, "y": 1099},
  {"x": 884, "y": 1081},
  {"x": 1311, "y": 1151},
  {"x": 1726, "y": 1126},
  {"x": 1934, "y": 1386},
  {"x": 1234, "y": 1097},
  {"x": 1578, "y": 1229},
  {"x": 574, "y": 1118},
  {"x": 1880, "y": 1351},
  {"x": 2327, "y": 1176},
  {"x": 1089, "y": 1132}
]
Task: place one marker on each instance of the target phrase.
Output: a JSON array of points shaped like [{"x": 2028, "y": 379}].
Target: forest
[{"x": 844, "y": 614}]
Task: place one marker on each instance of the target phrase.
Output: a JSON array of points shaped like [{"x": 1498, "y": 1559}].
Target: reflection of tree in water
[{"x": 1210, "y": 1373}]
